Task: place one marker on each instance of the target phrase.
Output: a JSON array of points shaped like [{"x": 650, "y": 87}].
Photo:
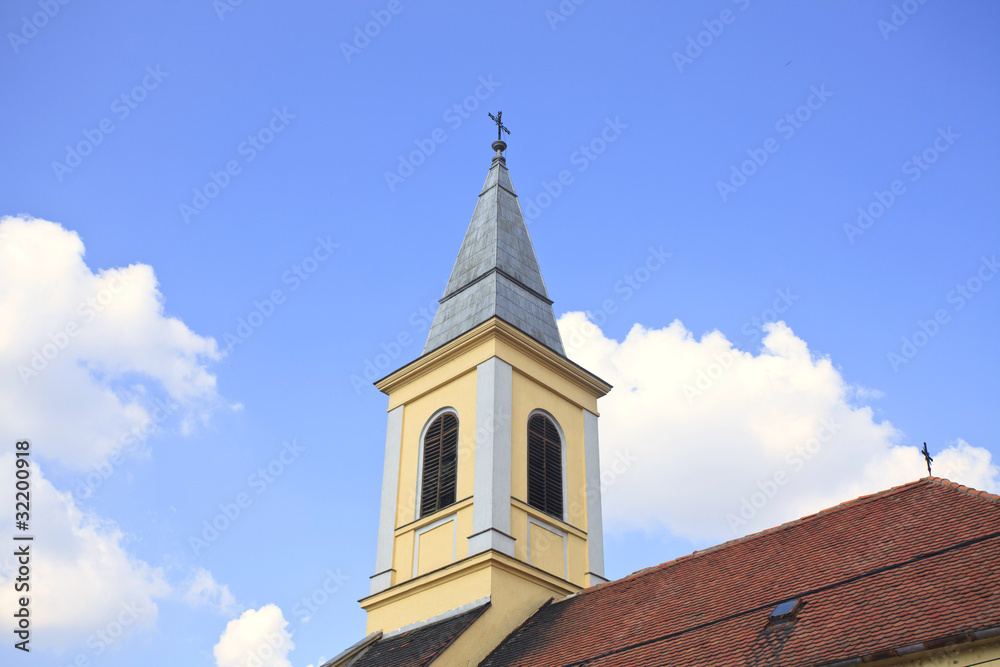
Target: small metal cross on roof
[
  {"x": 500, "y": 125},
  {"x": 927, "y": 457}
]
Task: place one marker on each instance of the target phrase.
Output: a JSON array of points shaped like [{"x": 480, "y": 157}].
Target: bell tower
[{"x": 491, "y": 490}]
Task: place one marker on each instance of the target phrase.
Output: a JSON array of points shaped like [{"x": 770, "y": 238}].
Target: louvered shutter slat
[
  {"x": 545, "y": 478},
  {"x": 439, "y": 478}
]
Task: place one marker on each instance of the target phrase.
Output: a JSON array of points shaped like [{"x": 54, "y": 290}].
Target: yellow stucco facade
[
  {"x": 981, "y": 653},
  {"x": 432, "y": 569}
]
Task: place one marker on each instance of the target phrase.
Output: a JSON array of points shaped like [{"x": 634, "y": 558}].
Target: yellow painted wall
[
  {"x": 576, "y": 556},
  {"x": 985, "y": 653},
  {"x": 447, "y": 378},
  {"x": 458, "y": 364},
  {"x": 438, "y": 389},
  {"x": 533, "y": 394},
  {"x": 530, "y": 394},
  {"x": 402, "y": 557},
  {"x": 437, "y": 598},
  {"x": 513, "y": 601},
  {"x": 437, "y": 546},
  {"x": 465, "y": 582},
  {"x": 436, "y": 550},
  {"x": 547, "y": 550},
  {"x": 458, "y": 393},
  {"x": 556, "y": 382}
]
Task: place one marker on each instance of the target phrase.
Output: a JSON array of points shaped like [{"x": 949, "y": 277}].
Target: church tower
[{"x": 491, "y": 492}]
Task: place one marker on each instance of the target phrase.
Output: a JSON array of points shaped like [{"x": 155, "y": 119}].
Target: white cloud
[
  {"x": 204, "y": 591},
  {"x": 258, "y": 638},
  {"x": 710, "y": 442},
  {"x": 84, "y": 584},
  {"x": 92, "y": 366},
  {"x": 88, "y": 352}
]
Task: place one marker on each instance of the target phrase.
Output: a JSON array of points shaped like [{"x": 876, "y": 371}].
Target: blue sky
[{"x": 339, "y": 174}]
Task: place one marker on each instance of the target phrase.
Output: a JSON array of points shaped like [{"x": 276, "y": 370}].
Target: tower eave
[{"x": 495, "y": 327}]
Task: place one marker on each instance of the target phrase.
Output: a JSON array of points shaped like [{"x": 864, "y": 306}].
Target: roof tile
[{"x": 912, "y": 564}]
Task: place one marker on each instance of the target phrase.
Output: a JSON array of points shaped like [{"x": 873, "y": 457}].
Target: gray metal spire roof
[{"x": 496, "y": 273}]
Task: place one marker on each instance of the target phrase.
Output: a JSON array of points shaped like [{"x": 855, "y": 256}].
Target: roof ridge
[
  {"x": 961, "y": 488},
  {"x": 473, "y": 616},
  {"x": 784, "y": 526},
  {"x": 799, "y": 595}
]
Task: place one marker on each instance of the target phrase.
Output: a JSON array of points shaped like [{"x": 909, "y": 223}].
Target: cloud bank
[
  {"x": 85, "y": 586},
  {"x": 94, "y": 365},
  {"x": 710, "y": 442}
]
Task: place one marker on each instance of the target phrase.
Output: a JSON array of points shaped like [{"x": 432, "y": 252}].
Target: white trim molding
[
  {"x": 552, "y": 529},
  {"x": 429, "y": 527},
  {"x": 491, "y": 491},
  {"x": 595, "y": 521},
  {"x": 390, "y": 491}
]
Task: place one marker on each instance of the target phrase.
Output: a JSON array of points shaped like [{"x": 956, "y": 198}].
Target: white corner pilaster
[
  {"x": 491, "y": 494},
  {"x": 382, "y": 578},
  {"x": 595, "y": 521}
]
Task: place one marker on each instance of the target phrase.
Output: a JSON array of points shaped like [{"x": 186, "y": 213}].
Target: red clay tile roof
[
  {"x": 917, "y": 563},
  {"x": 420, "y": 646}
]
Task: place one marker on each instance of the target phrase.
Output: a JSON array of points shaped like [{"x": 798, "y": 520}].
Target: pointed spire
[{"x": 496, "y": 272}]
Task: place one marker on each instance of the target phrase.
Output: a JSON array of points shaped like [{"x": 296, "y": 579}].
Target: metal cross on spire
[
  {"x": 927, "y": 458},
  {"x": 500, "y": 125}
]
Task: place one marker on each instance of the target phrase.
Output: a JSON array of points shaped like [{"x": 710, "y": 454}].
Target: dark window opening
[
  {"x": 545, "y": 482},
  {"x": 440, "y": 473}
]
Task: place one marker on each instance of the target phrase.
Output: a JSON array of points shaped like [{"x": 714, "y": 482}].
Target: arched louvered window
[
  {"x": 545, "y": 479},
  {"x": 440, "y": 465}
]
